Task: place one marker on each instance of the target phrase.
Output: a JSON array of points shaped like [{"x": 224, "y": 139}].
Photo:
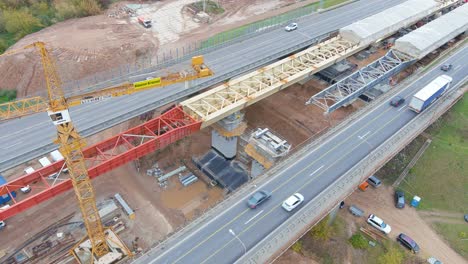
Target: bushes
[
  {"x": 322, "y": 230},
  {"x": 393, "y": 255},
  {"x": 7, "y": 95},
  {"x": 22, "y": 17},
  {"x": 297, "y": 247},
  {"x": 358, "y": 241}
]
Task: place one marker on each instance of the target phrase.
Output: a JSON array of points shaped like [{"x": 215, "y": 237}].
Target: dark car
[
  {"x": 408, "y": 242},
  {"x": 446, "y": 67},
  {"x": 399, "y": 199},
  {"x": 466, "y": 217},
  {"x": 257, "y": 198},
  {"x": 397, "y": 101}
]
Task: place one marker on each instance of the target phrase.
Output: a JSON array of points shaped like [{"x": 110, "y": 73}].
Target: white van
[
  {"x": 57, "y": 156},
  {"x": 29, "y": 170},
  {"x": 44, "y": 161}
]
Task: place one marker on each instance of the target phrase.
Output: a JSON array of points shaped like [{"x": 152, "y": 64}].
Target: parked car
[
  {"x": 466, "y": 218},
  {"x": 2, "y": 225},
  {"x": 293, "y": 201},
  {"x": 25, "y": 189},
  {"x": 446, "y": 67},
  {"x": 291, "y": 27},
  {"x": 257, "y": 198},
  {"x": 433, "y": 260},
  {"x": 374, "y": 181},
  {"x": 379, "y": 224},
  {"x": 399, "y": 199},
  {"x": 397, "y": 101},
  {"x": 408, "y": 242}
]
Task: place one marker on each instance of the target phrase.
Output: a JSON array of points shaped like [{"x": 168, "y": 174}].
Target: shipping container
[
  {"x": 428, "y": 94},
  {"x": 6, "y": 197}
]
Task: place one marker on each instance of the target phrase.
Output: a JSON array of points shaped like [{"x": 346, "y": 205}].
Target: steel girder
[
  {"x": 350, "y": 88},
  {"x": 101, "y": 158},
  {"x": 239, "y": 93}
]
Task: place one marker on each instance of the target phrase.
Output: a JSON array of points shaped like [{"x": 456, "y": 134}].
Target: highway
[
  {"x": 29, "y": 137},
  {"x": 309, "y": 175}
]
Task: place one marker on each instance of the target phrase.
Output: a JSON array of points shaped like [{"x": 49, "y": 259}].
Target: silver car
[{"x": 291, "y": 27}]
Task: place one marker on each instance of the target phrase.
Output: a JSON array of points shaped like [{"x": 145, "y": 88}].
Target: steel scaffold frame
[
  {"x": 350, "y": 88},
  {"x": 102, "y": 157},
  {"x": 228, "y": 98}
]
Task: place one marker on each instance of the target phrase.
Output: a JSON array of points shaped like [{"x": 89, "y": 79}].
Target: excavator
[{"x": 101, "y": 245}]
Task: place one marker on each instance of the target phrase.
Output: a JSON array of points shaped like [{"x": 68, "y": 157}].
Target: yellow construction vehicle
[
  {"x": 101, "y": 245},
  {"x": 38, "y": 104}
]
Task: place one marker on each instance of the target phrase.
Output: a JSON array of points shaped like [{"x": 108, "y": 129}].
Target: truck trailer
[{"x": 428, "y": 94}]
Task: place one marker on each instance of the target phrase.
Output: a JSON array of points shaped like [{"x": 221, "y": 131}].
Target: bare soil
[
  {"x": 93, "y": 46},
  {"x": 409, "y": 221}
]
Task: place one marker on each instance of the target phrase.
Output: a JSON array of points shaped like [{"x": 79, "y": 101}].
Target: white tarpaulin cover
[
  {"x": 388, "y": 21},
  {"x": 428, "y": 38}
]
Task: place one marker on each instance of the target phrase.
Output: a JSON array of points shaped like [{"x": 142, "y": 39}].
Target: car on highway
[
  {"x": 397, "y": 101},
  {"x": 378, "y": 223},
  {"x": 446, "y": 67},
  {"x": 292, "y": 202},
  {"x": 257, "y": 198},
  {"x": 399, "y": 199},
  {"x": 291, "y": 27},
  {"x": 408, "y": 242}
]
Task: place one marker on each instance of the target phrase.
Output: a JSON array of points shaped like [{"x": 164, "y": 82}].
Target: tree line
[{"x": 19, "y": 18}]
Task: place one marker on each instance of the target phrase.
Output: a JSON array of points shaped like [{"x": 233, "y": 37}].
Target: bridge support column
[{"x": 225, "y": 134}]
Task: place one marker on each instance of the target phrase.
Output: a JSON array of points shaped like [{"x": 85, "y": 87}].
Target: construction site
[{"x": 164, "y": 167}]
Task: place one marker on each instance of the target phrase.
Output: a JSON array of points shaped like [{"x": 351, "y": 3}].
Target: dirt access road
[{"x": 408, "y": 220}]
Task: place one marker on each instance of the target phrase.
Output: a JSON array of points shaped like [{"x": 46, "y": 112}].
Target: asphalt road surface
[
  {"x": 29, "y": 137},
  {"x": 309, "y": 175}
]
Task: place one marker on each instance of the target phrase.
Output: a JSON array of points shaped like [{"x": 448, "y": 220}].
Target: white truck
[{"x": 429, "y": 93}]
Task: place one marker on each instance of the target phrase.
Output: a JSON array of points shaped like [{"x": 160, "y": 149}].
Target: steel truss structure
[
  {"x": 102, "y": 157},
  {"x": 350, "y": 88},
  {"x": 239, "y": 93}
]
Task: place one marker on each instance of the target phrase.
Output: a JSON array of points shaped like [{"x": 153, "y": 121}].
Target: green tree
[
  {"x": 21, "y": 23},
  {"x": 322, "y": 230},
  {"x": 44, "y": 12}
]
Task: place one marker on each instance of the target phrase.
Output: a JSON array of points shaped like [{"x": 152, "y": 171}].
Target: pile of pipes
[{"x": 187, "y": 179}]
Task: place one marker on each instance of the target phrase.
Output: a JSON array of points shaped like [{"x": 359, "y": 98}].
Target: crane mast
[{"x": 71, "y": 144}]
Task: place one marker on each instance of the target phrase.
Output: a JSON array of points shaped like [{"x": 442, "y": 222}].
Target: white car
[
  {"x": 433, "y": 260},
  {"x": 293, "y": 201},
  {"x": 2, "y": 224},
  {"x": 379, "y": 224},
  {"x": 291, "y": 27},
  {"x": 25, "y": 189}
]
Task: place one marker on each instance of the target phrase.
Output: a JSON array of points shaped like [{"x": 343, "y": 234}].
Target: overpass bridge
[{"x": 202, "y": 110}]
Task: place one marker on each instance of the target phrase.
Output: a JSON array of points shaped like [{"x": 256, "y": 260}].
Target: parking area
[{"x": 380, "y": 201}]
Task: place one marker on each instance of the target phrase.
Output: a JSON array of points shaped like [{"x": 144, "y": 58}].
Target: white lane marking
[
  {"x": 316, "y": 170},
  {"x": 253, "y": 217},
  {"x": 401, "y": 108},
  {"x": 363, "y": 136},
  {"x": 14, "y": 144}
]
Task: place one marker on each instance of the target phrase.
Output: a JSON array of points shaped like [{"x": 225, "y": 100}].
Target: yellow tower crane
[{"x": 71, "y": 143}]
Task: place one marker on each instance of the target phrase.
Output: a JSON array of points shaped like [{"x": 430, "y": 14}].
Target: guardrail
[
  {"x": 287, "y": 233},
  {"x": 170, "y": 99}
]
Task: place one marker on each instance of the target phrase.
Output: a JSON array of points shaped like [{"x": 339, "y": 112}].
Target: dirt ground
[
  {"x": 408, "y": 220},
  {"x": 92, "y": 45}
]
